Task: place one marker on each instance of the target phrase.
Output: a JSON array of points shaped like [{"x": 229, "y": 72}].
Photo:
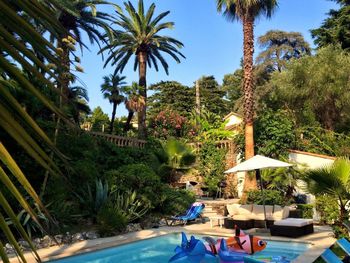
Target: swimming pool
[{"x": 161, "y": 249}]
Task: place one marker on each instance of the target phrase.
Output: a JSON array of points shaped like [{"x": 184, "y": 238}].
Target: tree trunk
[
  {"x": 141, "y": 115},
  {"x": 113, "y": 118},
  {"x": 128, "y": 121},
  {"x": 198, "y": 102},
  {"x": 248, "y": 90}
]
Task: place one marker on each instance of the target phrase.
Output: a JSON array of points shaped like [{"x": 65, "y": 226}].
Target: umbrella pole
[{"x": 258, "y": 176}]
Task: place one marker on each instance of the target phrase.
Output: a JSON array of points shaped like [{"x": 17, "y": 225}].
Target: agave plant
[{"x": 129, "y": 205}]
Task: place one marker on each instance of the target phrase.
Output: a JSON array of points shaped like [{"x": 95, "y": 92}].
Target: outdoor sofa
[{"x": 278, "y": 219}]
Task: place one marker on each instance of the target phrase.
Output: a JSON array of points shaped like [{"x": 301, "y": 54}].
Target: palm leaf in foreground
[{"x": 15, "y": 30}]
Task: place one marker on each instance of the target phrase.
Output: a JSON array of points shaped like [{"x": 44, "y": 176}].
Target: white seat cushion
[
  {"x": 285, "y": 212},
  {"x": 258, "y": 212},
  {"x": 244, "y": 210},
  {"x": 277, "y": 213},
  {"x": 296, "y": 222},
  {"x": 232, "y": 209}
]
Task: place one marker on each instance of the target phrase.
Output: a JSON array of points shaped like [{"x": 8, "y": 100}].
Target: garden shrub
[
  {"x": 137, "y": 177},
  {"x": 212, "y": 165},
  {"x": 327, "y": 208},
  {"x": 306, "y": 210},
  {"x": 110, "y": 221},
  {"x": 174, "y": 201},
  {"x": 272, "y": 197}
]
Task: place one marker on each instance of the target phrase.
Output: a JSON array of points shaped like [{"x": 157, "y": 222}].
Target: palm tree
[
  {"x": 139, "y": 36},
  {"x": 333, "y": 180},
  {"x": 247, "y": 11},
  {"x": 177, "y": 157},
  {"x": 78, "y": 16},
  {"x": 112, "y": 90},
  {"x": 133, "y": 103}
]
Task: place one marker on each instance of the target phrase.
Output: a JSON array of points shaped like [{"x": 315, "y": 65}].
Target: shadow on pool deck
[{"x": 321, "y": 239}]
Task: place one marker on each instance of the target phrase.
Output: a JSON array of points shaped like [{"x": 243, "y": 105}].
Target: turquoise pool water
[{"x": 160, "y": 249}]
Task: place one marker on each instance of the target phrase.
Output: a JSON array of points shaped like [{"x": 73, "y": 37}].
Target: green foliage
[
  {"x": 212, "y": 96},
  {"x": 98, "y": 119},
  {"x": 306, "y": 210},
  {"x": 232, "y": 84},
  {"x": 273, "y": 134},
  {"x": 279, "y": 47},
  {"x": 281, "y": 179},
  {"x": 212, "y": 165},
  {"x": 137, "y": 177},
  {"x": 128, "y": 204},
  {"x": 335, "y": 29},
  {"x": 272, "y": 197},
  {"x": 328, "y": 209},
  {"x": 110, "y": 221},
  {"x": 171, "y": 96},
  {"x": 209, "y": 126},
  {"x": 332, "y": 180},
  {"x": 174, "y": 201},
  {"x": 316, "y": 84},
  {"x": 93, "y": 200},
  {"x": 322, "y": 141}
]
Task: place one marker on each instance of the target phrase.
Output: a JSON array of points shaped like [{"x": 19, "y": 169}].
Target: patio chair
[
  {"x": 344, "y": 244},
  {"x": 330, "y": 257},
  {"x": 192, "y": 213}
]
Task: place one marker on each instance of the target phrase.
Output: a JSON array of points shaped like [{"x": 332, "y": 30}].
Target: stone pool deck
[{"x": 320, "y": 240}]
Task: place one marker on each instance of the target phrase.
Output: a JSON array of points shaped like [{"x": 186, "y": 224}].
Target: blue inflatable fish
[{"x": 193, "y": 251}]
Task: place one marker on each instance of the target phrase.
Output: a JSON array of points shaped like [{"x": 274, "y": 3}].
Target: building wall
[{"x": 233, "y": 120}]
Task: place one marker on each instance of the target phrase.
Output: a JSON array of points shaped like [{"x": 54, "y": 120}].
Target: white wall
[
  {"x": 233, "y": 120},
  {"x": 303, "y": 160}
]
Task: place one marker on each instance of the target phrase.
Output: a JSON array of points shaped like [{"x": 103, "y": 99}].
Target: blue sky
[{"x": 213, "y": 46}]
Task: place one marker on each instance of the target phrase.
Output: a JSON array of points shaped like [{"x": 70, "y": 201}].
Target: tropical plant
[
  {"x": 139, "y": 36},
  {"x": 247, "y": 11},
  {"x": 269, "y": 197},
  {"x": 332, "y": 180},
  {"x": 112, "y": 89},
  {"x": 14, "y": 120},
  {"x": 280, "y": 47},
  {"x": 178, "y": 158},
  {"x": 94, "y": 200},
  {"x": 134, "y": 102},
  {"x": 78, "y": 98},
  {"x": 129, "y": 205},
  {"x": 77, "y": 17}
]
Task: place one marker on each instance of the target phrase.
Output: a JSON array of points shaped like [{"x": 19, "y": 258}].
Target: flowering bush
[{"x": 169, "y": 123}]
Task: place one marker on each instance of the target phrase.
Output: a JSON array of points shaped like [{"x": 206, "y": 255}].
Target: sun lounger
[
  {"x": 292, "y": 227},
  {"x": 345, "y": 245},
  {"x": 192, "y": 213},
  {"x": 330, "y": 257}
]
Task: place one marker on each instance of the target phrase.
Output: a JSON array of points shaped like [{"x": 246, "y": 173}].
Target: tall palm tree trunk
[
  {"x": 143, "y": 93},
  {"x": 111, "y": 125},
  {"x": 128, "y": 120},
  {"x": 248, "y": 90}
]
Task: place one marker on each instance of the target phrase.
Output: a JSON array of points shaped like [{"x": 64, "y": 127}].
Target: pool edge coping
[{"x": 58, "y": 252}]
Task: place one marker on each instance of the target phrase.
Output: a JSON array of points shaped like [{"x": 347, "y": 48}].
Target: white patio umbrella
[{"x": 257, "y": 163}]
